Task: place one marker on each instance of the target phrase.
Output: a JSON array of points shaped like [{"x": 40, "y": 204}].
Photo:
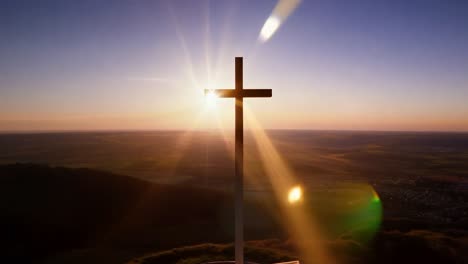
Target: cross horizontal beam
[{"x": 232, "y": 93}]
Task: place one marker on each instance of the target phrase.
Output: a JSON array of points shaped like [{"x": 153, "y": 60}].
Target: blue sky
[{"x": 377, "y": 65}]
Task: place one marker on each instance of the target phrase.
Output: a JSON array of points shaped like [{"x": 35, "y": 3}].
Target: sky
[{"x": 131, "y": 65}]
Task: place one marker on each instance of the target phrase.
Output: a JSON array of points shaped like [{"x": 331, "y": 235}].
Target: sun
[{"x": 211, "y": 98}]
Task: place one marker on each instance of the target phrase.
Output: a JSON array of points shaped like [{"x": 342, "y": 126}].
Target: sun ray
[
  {"x": 154, "y": 79},
  {"x": 183, "y": 44},
  {"x": 181, "y": 144},
  {"x": 223, "y": 43},
  {"x": 302, "y": 225},
  {"x": 227, "y": 142},
  {"x": 184, "y": 140},
  {"x": 207, "y": 41}
]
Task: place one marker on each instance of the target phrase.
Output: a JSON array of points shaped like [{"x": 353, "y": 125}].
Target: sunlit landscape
[
  {"x": 361, "y": 188},
  {"x": 241, "y": 132}
]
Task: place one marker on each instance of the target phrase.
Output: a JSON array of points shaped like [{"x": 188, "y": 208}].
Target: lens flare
[
  {"x": 282, "y": 10},
  {"x": 357, "y": 210},
  {"x": 295, "y": 195},
  {"x": 269, "y": 28}
]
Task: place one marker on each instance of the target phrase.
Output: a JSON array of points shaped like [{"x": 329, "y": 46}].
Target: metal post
[{"x": 239, "y": 165}]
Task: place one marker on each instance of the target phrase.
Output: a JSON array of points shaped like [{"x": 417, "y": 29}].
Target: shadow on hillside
[{"x": 62, "y": 215}]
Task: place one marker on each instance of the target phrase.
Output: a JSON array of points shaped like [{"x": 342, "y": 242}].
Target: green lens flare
[
  {"x": 363, "y": 219},
  {"x": 349, "y": 211}
]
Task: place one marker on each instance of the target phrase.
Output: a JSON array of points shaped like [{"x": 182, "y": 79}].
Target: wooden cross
[{"x": 239, "y": 93}]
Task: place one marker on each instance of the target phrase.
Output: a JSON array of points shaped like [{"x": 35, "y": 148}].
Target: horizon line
[{"x": 71, "y": 131}]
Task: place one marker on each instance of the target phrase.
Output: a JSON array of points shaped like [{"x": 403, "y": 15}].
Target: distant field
[
  {"x": 408, "y": 170},
  {"x": 178, "y": 156},
  {"x": 364, "y": 188}
]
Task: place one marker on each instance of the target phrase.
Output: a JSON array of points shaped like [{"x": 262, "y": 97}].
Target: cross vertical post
[
  {"x": 238, "y": 94},
  {"x": 239, "y": 164}
]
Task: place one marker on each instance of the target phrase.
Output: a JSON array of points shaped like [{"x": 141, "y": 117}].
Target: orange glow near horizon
[{"x": 178, "y": 120}]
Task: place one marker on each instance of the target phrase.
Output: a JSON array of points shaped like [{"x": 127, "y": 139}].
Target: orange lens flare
[{"x": 295, "y": 195}]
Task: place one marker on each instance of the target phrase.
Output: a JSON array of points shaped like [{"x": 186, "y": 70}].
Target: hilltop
[
  {"x": 47, "y": 210},
  {"x": 64, "y": 215}
]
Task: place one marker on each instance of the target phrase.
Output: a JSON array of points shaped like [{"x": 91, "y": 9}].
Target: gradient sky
[{"x": 367, "y": 65}]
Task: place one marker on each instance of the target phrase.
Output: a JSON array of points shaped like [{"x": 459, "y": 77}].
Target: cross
[{"x": 239, "y": 93}]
